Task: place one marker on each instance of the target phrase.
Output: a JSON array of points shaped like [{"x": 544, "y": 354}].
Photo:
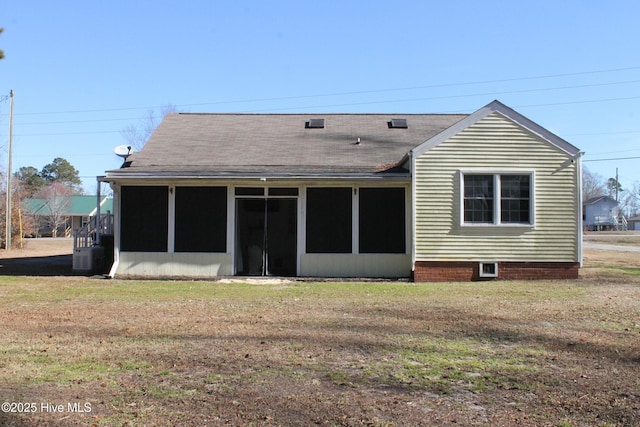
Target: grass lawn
[{"x": 80, "y": 351}]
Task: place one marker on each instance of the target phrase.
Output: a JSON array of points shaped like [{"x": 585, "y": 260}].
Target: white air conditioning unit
[{"x": 488, "y": 269}]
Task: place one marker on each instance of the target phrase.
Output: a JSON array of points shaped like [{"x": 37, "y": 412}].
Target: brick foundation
[{"x": 443, "y": 271}]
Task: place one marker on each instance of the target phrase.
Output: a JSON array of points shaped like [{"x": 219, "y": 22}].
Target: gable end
[{"x": 506, "y": 112}]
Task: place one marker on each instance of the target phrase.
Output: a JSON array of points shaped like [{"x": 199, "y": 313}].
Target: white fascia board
[{"x": 142, "y": 177}]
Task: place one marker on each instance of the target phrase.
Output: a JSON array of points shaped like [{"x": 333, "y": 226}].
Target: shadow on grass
[
  {"x": 58, "y": 265},
  {"x": 508, "y": 331},
  {"x": 13, "y": 420},
  {"x": 346, "y": 364},
  {"x": 374, "y": 360}
]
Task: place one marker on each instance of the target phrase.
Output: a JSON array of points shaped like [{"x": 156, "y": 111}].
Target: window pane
[
  {"x": 478, "y": 211},
  {"x": 283, "y": 191},
  {"x": 249, "y": 191},
  {"x": 145, "y": 218},
  {"x": 201, "y": 219},
  {"x": 515, "y": 198},
  {"x": 382, "y": 220},
  {"x": 329, "y": 220},
  {"x": 478, "y": 198}
]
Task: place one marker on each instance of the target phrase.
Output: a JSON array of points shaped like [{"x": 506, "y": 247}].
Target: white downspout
[
  {"x": 579, "y": 202},
  {"x": 412, "y": 171},
  {"x": 97, "y": 219},
  {"x": 116, "y": 230}
]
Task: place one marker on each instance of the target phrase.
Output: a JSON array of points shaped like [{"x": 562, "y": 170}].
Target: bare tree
[
  {"x": 16, "y": 212},
  {"x": 138, "y": 135},
  {"x": 593, "y": 185},
  {"x": 1, "y": 51},
  {"x": 57, "y": 200},
  {"x": 631, "y": 201}
]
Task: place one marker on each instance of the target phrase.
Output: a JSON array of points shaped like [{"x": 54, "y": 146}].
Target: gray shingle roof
[
  {"x": 597, "y": 199},
  {"x": 187, "y": 144}
]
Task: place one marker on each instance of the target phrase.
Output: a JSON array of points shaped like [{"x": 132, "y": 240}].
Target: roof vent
[
  {"x": 314, "y": 124},
  {"x": 398, "y": 124}
]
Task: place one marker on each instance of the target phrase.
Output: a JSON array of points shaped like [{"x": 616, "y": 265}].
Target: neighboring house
[
  {"x": 634, "y": 223},
  {"x": 427, "y": 196},
  {"x": 603, "y": 214},
  {"x": 76, "y": 211}
]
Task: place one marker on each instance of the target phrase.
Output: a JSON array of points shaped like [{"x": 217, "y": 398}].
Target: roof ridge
[{"x": 318, "y": 114}]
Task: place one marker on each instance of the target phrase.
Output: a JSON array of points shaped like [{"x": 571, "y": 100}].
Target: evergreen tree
[
  {"x": 614, "y": 188},
  {"x": 60, "y": 170},
  {"x": 29, "y": 180}
]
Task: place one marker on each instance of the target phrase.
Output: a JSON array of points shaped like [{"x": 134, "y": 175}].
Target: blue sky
[{"x": 82, "y": 71}]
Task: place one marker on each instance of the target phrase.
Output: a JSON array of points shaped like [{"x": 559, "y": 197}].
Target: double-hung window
[{"x": 497, "y": 198}]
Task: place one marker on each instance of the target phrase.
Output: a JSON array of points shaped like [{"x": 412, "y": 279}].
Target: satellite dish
[{"x": 123, "y": 151}]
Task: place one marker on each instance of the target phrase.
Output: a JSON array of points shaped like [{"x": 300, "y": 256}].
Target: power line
[
  {"x": 578, "y": 102},
  {"x": 368, "y": 102},
  {"x": 450, "y": 97},
  {"x": 627, "y": 132},
  {"x": 80, "y": 121},
  {"x": 68, "y": 133},
  {"x": 608, "y": 160},
  {"x": 381, "y": 102},
  {"x": 613, "y": 152},
  {"x": 442, "y": 85}
]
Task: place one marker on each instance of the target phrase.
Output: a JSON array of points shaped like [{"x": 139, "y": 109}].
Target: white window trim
[
  {"x": 171, "y": 232},
  {"x": 496, "y": 197}
]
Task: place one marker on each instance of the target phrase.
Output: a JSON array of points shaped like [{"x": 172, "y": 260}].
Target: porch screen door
[{"x": 266, "y": 236}]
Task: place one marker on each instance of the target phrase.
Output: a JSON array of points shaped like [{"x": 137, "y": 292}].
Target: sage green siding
[{"x": 496, "y": 144}]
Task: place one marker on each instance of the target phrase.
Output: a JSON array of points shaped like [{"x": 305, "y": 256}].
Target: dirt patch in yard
[
  {"x": 595, "y": 257},
  {"x": 42, "y": 247},
  {"x": 622, "y": 238}
]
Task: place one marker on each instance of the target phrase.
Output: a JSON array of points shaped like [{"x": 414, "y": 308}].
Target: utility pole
[
  {"x": 617, "y": 185},
  {"x": 8, "y": 230}
]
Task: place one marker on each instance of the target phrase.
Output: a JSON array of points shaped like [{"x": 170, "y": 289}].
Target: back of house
[{"x": 427, "y": 196}]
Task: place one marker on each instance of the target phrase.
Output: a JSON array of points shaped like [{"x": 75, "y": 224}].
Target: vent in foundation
[{"x": 488, "y": 269}]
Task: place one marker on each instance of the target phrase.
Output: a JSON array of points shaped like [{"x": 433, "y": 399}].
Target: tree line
[
  {"x": 32, "y": 181},
  {"x": 55, "y": 183}
]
